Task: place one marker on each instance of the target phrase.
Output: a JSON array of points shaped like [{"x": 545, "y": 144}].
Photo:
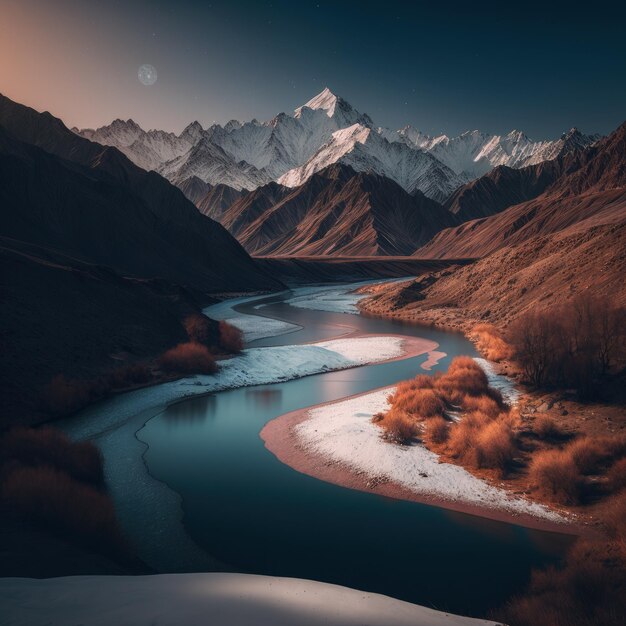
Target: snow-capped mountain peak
[
  {"x": 326, "y": 130},
  {"x": 339, "y": 110},
  {"x": 325, "y": 100}
]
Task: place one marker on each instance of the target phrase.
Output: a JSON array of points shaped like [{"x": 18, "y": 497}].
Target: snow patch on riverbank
[
  {"x": 253, "y": 327},
  {"x": 335, "y": 299},
  {"x": 502, "y": 383},
  {"x": 261, "y": 366},
  {"x": 343, "y": 432},
  {"x": 256, "y": 327},
  {"x": 199, "y": 599}
]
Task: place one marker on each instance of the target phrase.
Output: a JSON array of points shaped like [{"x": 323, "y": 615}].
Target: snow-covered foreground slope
[
  {"x": 343, "y": 432},
  {"x": 206, "y": 599}
]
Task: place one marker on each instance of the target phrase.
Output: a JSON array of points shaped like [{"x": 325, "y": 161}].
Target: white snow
[
  {"x": 333, "y": 299},
  {"x": 253, "y": 326},
  {"x": 261, "y": 366},
  {"x": 289, "y": 148},
  {"x": 503, "y": 384},
  {"x": 201, "y": 599},
  {"x": 344, "y": 433}
]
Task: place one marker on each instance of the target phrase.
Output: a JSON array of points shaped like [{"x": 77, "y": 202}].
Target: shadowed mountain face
[
  {"x": 100, "y": 260},
  {"x": 62, "y": 191},
  {"x": 335, "y": 212},
  {"x": 588, "y": 188},
  {"x": 217, "y": 200}
]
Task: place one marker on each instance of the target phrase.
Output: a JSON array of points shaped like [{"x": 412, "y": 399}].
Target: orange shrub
[
  {"x": 615, "y": 515},
  {"x": 464, "y": 377},
  {"x": 616, "y": 477},
  {"x": 200, "y": 329},
  {"x": 231, "y": 338},
  {"x": 399, "y": 427},
  {"x": 546, "y": 428},
  {"x": 422, "y": 403},
  {"x": 590, "y": 454},
  {"x": 51, "y": 497},
  {"x": 484, "y": 404},
  {"x": 495, "y": 445},
  {"x": 436, "y": 430},
  {"x": 491, "y": 344},
  {"x": 554, "y": 473},
  {"x": 65, "y": 395},
  {"x": 46, "y": 446},
  {"x": 188, "y": 358},
  {"x": 462, "y": 437}
]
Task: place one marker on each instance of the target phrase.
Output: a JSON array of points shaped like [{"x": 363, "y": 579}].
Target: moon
[{"x": 147, "y": 74}]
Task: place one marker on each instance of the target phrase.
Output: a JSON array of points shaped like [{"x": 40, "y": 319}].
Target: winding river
[{"x": 195, "y": 488}]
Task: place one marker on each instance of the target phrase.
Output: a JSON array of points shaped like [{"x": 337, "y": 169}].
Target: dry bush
[
  {"x": 200, "y": 329},
  {"x": 50, "y": 497},
  {"x": 464, "y": 377},
  {"x": 484, "y": 404},
  {"x": 546, "y": 428},
  {"x": 399, "y": 427},
  {"x": 495, "y": 445},
  {"x": 554, "y": 473},
  {"x": 463, "y": 435},
  {"x": 436, "y": 430},
  {"x": 591, "y": 454},
  {"x": 231, "y": 338},
  {"x": 421, "y": 381},
  {"x": 65, "y": 395},
  {"x": 491, "y": 343},
  {"x": 422, "y": 403},
  {"x": 615, "y": 516},
  {"x": 589, "y": 590},
  {"x": 574, "y": 346},
  {"x": 616, "y": 477},
  {"x": 49, "y": 447},
  {"x": 188, "y": 358}
]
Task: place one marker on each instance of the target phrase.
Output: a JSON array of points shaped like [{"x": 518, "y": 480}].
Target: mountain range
[{"x": 289, "y": 149}]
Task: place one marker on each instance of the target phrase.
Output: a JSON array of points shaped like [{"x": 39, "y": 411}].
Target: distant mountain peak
[{"x": 325, "y": 100}]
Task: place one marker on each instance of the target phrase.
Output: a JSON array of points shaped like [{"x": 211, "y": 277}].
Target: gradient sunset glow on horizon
[{"x": 439, "y": 68}]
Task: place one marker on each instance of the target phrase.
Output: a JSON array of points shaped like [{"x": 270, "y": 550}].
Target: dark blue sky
[{"x": 440, "y": 66}]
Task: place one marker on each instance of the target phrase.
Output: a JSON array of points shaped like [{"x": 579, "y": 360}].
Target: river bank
[{"x": 337, "y": 442}]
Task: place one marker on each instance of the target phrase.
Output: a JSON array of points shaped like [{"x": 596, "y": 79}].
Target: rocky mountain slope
[
  {"x": 571, "y": 239},
  {"x": 337, "y": 211},
  {"x": 589, "y": 188}
]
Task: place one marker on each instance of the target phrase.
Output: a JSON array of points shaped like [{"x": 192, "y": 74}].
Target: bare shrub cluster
[
  {"x": 201, "y": 329},
  {"x": 49, "y": 480},
  {"x": 64, "y": 395},
  {"x": 491, "y": 343},
  {"x": 230, "y": 337},
  {"x": 485, "y": 435},
  {"x": 561, "y": 473},
  {"x": 188, "y": 358},
  {"x": 572, "y": 346}
]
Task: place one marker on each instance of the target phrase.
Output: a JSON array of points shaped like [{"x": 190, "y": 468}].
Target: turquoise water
[{"x": 254, "y": 514}]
